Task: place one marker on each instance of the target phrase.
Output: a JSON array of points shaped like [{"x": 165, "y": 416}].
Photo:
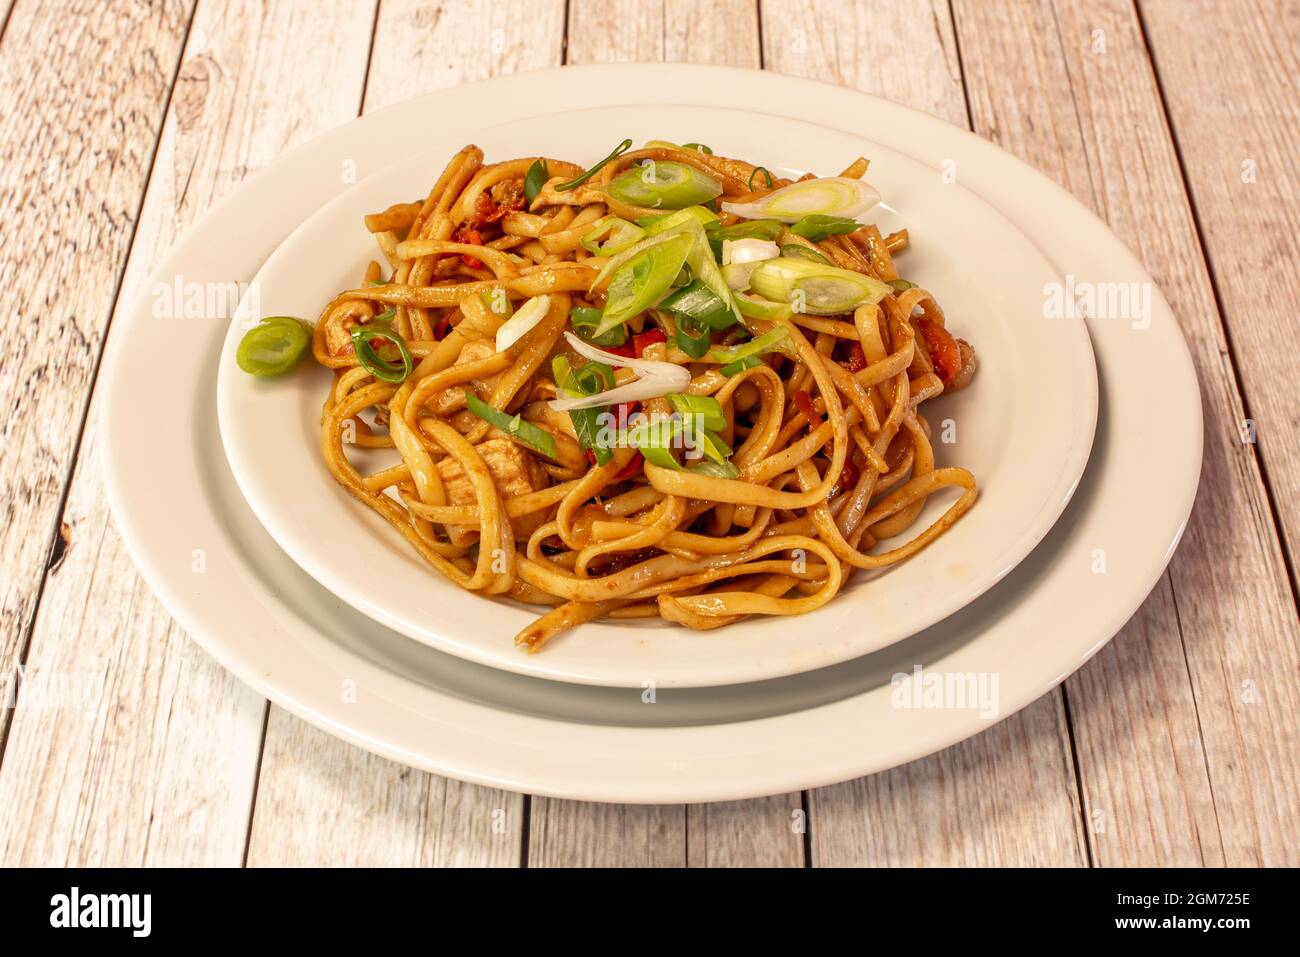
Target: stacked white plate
[{"x": 321, "y": 607}]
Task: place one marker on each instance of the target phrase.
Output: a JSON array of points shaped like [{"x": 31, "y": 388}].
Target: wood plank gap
[
  {"x": 257, "y": 780},
  {"x": 527, "y": 825},
  {"x": 1196, "y": 711},
  {"x": 1234, "y": 363},
  {"x": 1078, "y": 775},
  {"x": 4, "y": 26},
  {"x": 564, "y": 61},
  {"x": 961, "y": 67},
  {"x": 370, "y": 57},
  {"x": 806, "y": 804}
]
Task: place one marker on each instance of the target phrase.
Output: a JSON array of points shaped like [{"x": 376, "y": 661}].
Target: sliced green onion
[
  {"x": 618, "y": 234},
  {"x": 655, "y": 438},
  {"x": 535, "y": 179},
  {"x": 660, "y": 145},
  {"x": 767, "y": 229},
  {"x": 663, "y": 184},
  {"x": 665, "y": 221},
  {"x": 586, "y": 320},
  {"x": 705, "y": 268},
  {"x": 698, "y": 301},
  {"x": 752, "y": 307},
  {"x": 798, "y": 251},
  {"x": 902, "y": 285},
  {"x": 774, "y": 340},
  {"x": 705, "y": 406},
  {"x": 692, "y": 337},
  {"x": 818, "y": 226},
  {"x": 757, "y": 170},
  {"x": 715, "y": 449},
  {"x": 618, "y": 151},
  {"x": 378, "y": 282},
  {"x": 829, "y": 195},
  {"x": 586, "y": 380},
  {"x": 273, "y": 346},
  {"x": 748, "y": 250},
  {"x": 736, "y": 275},
  {"x": 384, "y": 368},
  {"x": 735, "y": 368},
  {"x": 722, "y": 470},
  {"x": 814, "y": 289},
  {"x": 698, "y": 147},
  {"x": 525, "y": 433},
  {"x": 644, "y": 277}
]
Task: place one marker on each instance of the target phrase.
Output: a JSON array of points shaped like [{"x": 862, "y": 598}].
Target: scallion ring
[
  {"x": 385, "y": 370},
  {"x": 274, "y": 346},
  {"x": 663, "y": 184},
  {"x": 757, "y": 170},
  {"x": 798, "y": 251}
]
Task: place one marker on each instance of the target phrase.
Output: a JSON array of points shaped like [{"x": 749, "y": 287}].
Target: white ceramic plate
[
  {"x": 284, "y": 635},
  {"x": 1024, "y": 427}
]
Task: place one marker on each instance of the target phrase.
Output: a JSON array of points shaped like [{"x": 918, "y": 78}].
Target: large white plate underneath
[{"x": 269, "y": 623}]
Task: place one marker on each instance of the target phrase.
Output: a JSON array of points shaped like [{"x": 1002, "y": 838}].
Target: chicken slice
[
  {"x": 453, "y": 399},
  {"x": 512, "y": 469}
]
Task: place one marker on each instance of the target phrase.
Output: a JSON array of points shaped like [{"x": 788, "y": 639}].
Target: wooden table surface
[{"x": 1177, "y": 121}]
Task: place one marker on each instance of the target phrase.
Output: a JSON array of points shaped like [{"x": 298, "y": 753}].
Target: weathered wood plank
[
  {"x": 902, "y": 50},
  {"x": 320, "y": 801},
  {"x": 1229, "y": 75},
  {"x": 82, "y": 96},
  {"x": 421, "y": 47},
  {"x": 1146, "y": 792},
  {"x": 724, "y": 32},
  {"x": 324, "y": 803},
  {"x": 159, "y": 767},
  {"x": 1230, "y": 594},
  {"x": 966, "y": 805}
]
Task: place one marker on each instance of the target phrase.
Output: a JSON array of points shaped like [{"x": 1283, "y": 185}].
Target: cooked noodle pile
[{"x": 819, "y": 447}]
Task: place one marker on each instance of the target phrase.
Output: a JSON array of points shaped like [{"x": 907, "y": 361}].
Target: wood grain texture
[
  {"x": 1230, "y": 79},
  {"x": 320, "y": 801},
  {"x": 723, "y": 32},
  {"x": 962, "y": 806},
  {"x": 324, "y": 803},
  {"x": 903, "y": 50},
  {"x": 74, "y": 157},
  {"x": 1229, "y": 577},
  {"x": 742, "y": 833},
  {"x": 420, "y": 47},
  {"x": 1186, "y": 740},
  {"x": 1230, "y": 594},
  {"x": 159, "y": 767},
  {"x": 1146, "y": 790}
]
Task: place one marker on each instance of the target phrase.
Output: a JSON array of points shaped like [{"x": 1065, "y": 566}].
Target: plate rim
[
  {"x": 184, "y": 605},
  {"x": 1059, "y": 473}
]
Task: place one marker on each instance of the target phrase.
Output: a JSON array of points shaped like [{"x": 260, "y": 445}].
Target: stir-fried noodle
[{"x": 515, "y": 352}]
